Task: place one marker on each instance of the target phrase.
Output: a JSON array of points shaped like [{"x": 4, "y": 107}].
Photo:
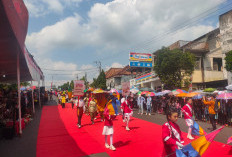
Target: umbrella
[
  {"x": 178, "y": 91},
  {"x": 150, "y": 94},
  {"x": 23, "y": 88},
  {"x": 91, "y": 89},
  {"x": 229, "y": 87},
  {"x": 97, "y": 91},
  {"x": 144, "y": 92},
  {"x": 85, "y": 90},
  {"x": 225, "y": 96},
  {"x": 198, "y": 96},
  {"x": 190, "y": 95},
  {"x": 134, "y": 90},
  {"x": 159, "y": 94},
  {"x": 182, "y": 95}
]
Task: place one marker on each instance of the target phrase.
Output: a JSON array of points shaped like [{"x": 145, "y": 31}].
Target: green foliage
[
  {"x": 65, "y": 86},
  {"x": 209, "y": 89},
  {"x": 100, "y": 82},
  {"x": 172, "y": 66},
  {"x": 228, "y": 60},
  {"x": 85, "y": 81}
]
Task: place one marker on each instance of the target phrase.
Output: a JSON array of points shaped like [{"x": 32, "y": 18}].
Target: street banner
[
  {"x": 141, "y": 57},
  {"x": 79, "y": 88},
  {"x": 141, "y": 64},
  {"x": 125, "y": 88}
]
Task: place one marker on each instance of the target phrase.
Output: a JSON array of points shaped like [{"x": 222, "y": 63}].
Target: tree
[
  {"x": 85, "y": 82},
  {"x": 100, "y": 82},
  {"x": 228, "y": 60},
  {"x": 172, "y": 66}
]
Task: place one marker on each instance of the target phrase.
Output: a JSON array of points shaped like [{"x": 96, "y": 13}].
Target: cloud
[
  {"x": 117, "y": 27},
  {"x": 38, "y": 8}
]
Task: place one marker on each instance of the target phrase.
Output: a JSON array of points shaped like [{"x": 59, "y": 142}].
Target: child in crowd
[
  {"x": 187, "y": 110},
  {"x": 109, "y": 115},
  {"x": 171, "y": 134},
  {"x": 127, "y": 112}
]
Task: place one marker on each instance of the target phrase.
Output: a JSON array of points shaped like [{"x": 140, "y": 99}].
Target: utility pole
[
  {"x": 77, "y": 76},
  {"x": 98, "y": 63}
]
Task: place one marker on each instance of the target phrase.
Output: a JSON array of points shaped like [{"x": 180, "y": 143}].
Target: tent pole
[
  {"x": 19, "y": 94},
  {"x": 39, "y": 94},
  {"x": 32, "y": 98}
]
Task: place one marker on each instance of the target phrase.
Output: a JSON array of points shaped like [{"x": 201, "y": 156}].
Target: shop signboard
[
  {"x": 79, "y": 88},
  {"x": 140, "y": 57},
  {"x": 141, "y": 64}
]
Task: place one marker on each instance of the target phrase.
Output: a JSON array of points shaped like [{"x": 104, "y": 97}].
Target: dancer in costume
[
  {"x": 115, "y": 103},
  {"x": 109, "y": 115},
  {"x": 101, "y": 103},
  {"x": 93, "y": 108},
  {"x": 187, "y": 110},
  {"x": 80, "y": 105},
  {"x": 171, "y": 134},
  {"x": 127, "y": 112},
  {"x": 86, "y": 100}
]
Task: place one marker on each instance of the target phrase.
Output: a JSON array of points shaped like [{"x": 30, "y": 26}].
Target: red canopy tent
[{"x": 16, "y": 63}]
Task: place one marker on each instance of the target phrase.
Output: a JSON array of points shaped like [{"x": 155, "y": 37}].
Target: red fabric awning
[{"x": 13, "y": 31}]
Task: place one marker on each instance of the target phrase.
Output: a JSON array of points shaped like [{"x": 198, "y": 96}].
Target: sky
[{"x": 71, "y": 35}]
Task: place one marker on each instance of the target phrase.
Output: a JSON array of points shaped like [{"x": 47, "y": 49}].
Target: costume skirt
[
  {"x": 189, "y": 122},
  {"x": 108, "y": 130}
]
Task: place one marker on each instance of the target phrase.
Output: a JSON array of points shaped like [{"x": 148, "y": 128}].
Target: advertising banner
[
  {"x": 141, "y": 64},
  {"x": 141, "y": 57},
  {"x": 79, "y": 88},
  {"x": 125, "y": 88}
]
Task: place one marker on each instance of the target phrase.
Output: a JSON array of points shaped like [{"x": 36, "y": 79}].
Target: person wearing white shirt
[{"x": 79, "y": 106}]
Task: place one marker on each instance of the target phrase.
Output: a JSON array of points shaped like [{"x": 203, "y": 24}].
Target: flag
[
  {"x": 197, "y": 129},
  {"x": 229, "y": 140},
  {"x": 197, "y": 147}
]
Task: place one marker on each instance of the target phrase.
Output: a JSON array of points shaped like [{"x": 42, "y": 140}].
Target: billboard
[
  {"x": 141, "y": 64},
  {"x": 140, "y": 57},
  {"x": 79, "y": 88}
]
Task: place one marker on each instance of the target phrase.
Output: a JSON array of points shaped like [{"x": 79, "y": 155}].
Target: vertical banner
[
  {"x": 79, "y": 88},
  {"x": 125, "y": 88}
]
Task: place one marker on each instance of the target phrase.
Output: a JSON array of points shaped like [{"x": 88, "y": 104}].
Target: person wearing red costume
[
  {"x": 109, "y": 116},
  {"x": 171, "y": 134},
  {"x": 126, "y": 107},
  {"x": 187, "y": 110}
]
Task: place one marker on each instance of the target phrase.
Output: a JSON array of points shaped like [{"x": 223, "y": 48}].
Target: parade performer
[
  {"x": 140, "y": 102},
  {"x": 126, "y": 107},
  {"x": 122, "y": 100},
  {"x": 93, "y": 108},
  {"x": 149, "y": 105},
  {"x": 109, "y": 115},
  {"x": 101, "y": 103},
  {"x": 63, "y": 101},
  {"x": 72, "y": 101},
  {"x": 86, "y": 100},
  {"x": 80, "y": 105},
  {"x": 171, "y": 134},
  {"x": 115, "y": 103},
  {"x": 187, "y": 110}
]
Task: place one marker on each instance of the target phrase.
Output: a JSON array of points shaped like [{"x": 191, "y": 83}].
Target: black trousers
[
  {"x": 212, "y": 121},
  {"x": 79, "y": 119}
]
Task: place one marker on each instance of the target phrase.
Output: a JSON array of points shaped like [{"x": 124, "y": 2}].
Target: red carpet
[{"x": 59, "y": 136}]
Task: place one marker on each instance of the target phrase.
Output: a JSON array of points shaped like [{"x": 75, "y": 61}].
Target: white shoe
[
  {"x": 146, "y": 113},
  {"x": 127, "y": 128},
  {"x": 190, "y": 137},
  {"x": 107, "y": 146},
  {"x": 112, "y": 147},
  {"x": 95, "y": 118},
  {"x": 138, "y": 113},
  {"x": 149, "y": 114}
]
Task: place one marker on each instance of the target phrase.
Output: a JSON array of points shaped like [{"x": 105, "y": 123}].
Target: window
[
  {"x": 198, "y": 63},
  {"x": 217, "y": 64}
]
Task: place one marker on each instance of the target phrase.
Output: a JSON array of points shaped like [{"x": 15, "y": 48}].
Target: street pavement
[{"x": 26, "y": 144}]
